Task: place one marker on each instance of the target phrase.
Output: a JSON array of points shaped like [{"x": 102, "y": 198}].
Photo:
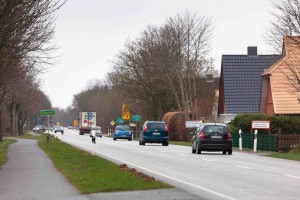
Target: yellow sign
[
  {"x": 75, "y": 123},
  {"x": 112, "y": 123},
  {"x": 126, "y": 115}
]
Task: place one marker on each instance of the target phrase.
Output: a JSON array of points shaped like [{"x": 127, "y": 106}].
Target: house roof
[
  {"x": 283, "y": 78},
  {"x": 242, "y": 81}
]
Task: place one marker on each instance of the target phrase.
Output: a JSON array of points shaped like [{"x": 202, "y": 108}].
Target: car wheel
[
  {"x": 198, "y": 151},
  {"x": 224, "y": 152},
  {"x": 140, "y": 142},
  {"x": 165, "y": 143},
  {"x": 114, "y": 138},
  {"x": 129, "y": 139},
  {"x": 143, "y": 143},
  {"x": 230, "y": 151}
]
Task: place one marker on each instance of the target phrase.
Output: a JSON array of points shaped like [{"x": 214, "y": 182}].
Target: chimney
[{"x": 252, "y": 51}]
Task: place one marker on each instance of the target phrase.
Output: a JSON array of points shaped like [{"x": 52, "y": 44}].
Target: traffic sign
[
  {"x": 136, "y": 118},
  {"x": 112, "y": 123},
  {"x": 126, "y": 115},
  {"x": 47, "y": 112},
  {"x": 119, "y": 120}
]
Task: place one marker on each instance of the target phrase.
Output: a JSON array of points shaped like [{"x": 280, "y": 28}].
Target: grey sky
[{"x": 89, "y": 33}]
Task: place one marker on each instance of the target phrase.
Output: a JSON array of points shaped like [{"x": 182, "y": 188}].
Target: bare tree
[
  {"x": 286, "y": 22},
  {"x": 26, "y": 29}
]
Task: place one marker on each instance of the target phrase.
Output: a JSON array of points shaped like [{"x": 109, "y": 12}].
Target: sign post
[
  {"x": 136, "y": 118},
  {"x": 259, "y": 124},
  {"x": 48, "y": 113}
]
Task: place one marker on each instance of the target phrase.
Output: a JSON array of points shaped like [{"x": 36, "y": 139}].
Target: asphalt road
[{"x": 245, "y": 176}]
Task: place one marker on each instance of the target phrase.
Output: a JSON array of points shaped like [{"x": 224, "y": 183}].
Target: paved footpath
[{"x": 30, "y": 175}]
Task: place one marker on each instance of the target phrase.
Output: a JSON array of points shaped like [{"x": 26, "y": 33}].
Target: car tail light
[
  {"x": 145, "y": 128},
  {"x": 202, "y": 135},
  {"x": 229, "y": 136},
  {"x": 166, "y": 129}
]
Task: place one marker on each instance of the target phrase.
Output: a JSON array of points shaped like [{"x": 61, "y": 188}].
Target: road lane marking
[
  {"x": 207, "y": 160},
  {"x": 243, "y": 167},
  {"x": 184, "y": 155},
  {"x": 163, "y": 175},
  {"x": 293, "y": 176}
]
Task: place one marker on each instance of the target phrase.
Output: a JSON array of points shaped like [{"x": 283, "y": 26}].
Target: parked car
[
  {"x": 39, "y": 128},
  {"x": 212, "y": 137},
  {"x": 97, "y": 131},
  {"x": 154, "y": 132},
  {"x": 122, "y": 132},
  {"x": 59, "y": 129}
]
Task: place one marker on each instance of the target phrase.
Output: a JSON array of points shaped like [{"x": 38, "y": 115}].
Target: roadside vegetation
[
  {"x": 182, "y": 143},
  {"x": 294, "y": 154},
  {"x": 91, "y": 174},
  {"x": 3, "y": 150}
]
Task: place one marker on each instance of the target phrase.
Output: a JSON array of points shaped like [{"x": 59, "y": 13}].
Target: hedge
[{"x": 287, "y": 124}]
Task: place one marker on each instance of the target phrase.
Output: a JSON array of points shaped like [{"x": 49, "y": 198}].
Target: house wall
[
  {"x": 264, "y": 95},
  {"x": 270, "y": 105},
  {"x": 221, "y": 106}
]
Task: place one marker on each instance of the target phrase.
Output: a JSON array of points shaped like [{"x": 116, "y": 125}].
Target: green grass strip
[
  {"x": 289, "y": 155},
  {"x": 3, "y": 150},
  {"x": 91, "y": 174},
  {"x": 181, "y": 143}
]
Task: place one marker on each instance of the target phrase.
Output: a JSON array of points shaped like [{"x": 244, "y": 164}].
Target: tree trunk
[{"x": 1, "y": 136}]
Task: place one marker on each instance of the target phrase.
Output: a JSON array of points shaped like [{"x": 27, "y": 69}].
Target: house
[
  {"x": 240, "y": 81},
  {"x": 280, "y": 93}
]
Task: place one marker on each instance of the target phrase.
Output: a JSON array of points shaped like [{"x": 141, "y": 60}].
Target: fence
[
  {"x": 264, "y": 142},
  {"x": 287, "y": 142}
]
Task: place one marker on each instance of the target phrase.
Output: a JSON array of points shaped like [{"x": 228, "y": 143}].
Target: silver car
[{"x": 96, "y": 130}]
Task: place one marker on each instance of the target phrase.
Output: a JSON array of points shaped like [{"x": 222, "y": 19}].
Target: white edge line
[
  {"x": 293, "y": 176},
  {"x": 207, "y": 160},
  {"x": 243, "y": 167},
  {"x": 177, "y": 180}
]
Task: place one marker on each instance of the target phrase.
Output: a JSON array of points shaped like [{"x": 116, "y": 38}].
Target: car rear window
[
  {"x": 123, "y": 128},
  {"x": 156, "y": 126},
  {"x": 215, "y": 129}
]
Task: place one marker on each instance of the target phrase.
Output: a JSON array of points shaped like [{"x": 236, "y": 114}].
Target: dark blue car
[
  {"x": 122, "y": 132},
  {"x": 154, "y": 132}
]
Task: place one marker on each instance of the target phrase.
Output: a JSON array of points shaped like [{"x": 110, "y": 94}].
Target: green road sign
[
  {"x": 136, "y": 118},
  {"x": 120, "y": 120},
  {"x": 47, "y": 112}
]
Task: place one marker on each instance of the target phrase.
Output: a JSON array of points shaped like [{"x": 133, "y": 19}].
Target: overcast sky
[{"x": 90, "y": 33}]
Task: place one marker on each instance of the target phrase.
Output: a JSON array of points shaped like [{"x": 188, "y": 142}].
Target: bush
[
  {"x": 176, "y": 124},
  {"x": 287, "y": 124}
]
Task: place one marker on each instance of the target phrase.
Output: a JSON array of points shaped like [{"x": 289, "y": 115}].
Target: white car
[
  {"x": 96, "y": 130},
  {"x": 59, "y": 129}
]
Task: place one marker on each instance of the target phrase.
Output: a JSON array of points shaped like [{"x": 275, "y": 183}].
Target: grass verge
[
  {"x": 92, "y": 174},
  {"x": 294, "y": 154},
  {"x": 29, "y": 136},
  {"x": 181, "y": 143},
  {"x": 289, "y": 156},
  {"x": 3, "y": 150}
]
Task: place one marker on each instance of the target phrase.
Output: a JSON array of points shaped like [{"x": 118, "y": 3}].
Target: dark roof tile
[{"x": 242, "y": 81}]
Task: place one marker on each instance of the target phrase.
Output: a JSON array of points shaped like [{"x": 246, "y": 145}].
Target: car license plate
[
  {"x": 156, "y": 133},
  {"x": 216, "y": 137}
]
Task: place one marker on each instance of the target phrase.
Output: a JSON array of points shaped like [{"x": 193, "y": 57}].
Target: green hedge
[{"x": 287, "y": 124}]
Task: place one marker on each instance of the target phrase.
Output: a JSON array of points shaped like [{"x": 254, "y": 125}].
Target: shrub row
[{"x": 283, "y": 124}]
